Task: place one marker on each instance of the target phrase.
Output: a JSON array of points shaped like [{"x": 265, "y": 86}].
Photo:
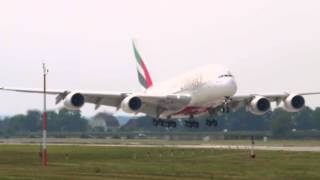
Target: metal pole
[
  {"x": 44, "y": 131},
  {"x": 252, "y": 153}
]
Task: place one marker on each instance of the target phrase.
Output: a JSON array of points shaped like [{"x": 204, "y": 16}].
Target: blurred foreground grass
[{"x": 79, "y": 162}]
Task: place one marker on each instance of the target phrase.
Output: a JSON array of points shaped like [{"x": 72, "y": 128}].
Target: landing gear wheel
[
  {"x": 187, "y": 124},
  {"x": 196, "y": 124},
  {"x": 208, "y": 122},
  {"x": 215, "y": 123},
  {"x": 162, "y": 123},
  {"x": 166, "y": 124},
  {"x": 192, "y": 124},
  {"x": 174, "y": 124},
  {"x": 155, "y": 122},
  {"x": 212, "y": 122},
  {"x": 226, "y": 109}
]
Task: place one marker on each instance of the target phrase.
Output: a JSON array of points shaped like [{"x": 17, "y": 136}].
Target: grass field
[{"x": 78, "y": 162}]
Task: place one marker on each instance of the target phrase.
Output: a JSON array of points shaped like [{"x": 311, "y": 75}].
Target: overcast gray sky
[{"x": 271, "y": 46}]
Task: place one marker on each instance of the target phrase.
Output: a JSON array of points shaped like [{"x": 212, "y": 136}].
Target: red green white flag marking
[{"x": 143, "y": 73}]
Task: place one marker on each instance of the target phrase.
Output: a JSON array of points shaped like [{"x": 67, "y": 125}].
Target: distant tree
[
  {"x": 316, "y": 118},
  {"x": 71, "y": 121},
  {"x": 304, "y": 119},
  {"x": 17, "y": 123},
  {"x": 242, "y": 120},
  {"x": 281, "y": 122},
  {"x": 33, "y": 119},
  {"x": 52, "y": 121}
]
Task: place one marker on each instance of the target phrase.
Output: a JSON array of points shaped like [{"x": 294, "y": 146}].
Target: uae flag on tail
[{"x": 143, "y": 73}]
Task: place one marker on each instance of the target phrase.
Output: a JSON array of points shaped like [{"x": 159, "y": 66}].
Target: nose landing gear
[{"x": 226, "y": 107}]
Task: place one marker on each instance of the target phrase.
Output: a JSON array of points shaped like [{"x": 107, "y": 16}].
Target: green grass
[{"x": 75, "y": 162}]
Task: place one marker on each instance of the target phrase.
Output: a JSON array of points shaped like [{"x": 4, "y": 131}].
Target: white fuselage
[{"x": 207, "y": 86}]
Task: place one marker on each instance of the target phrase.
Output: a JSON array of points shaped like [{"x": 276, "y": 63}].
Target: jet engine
[
  {"x": 294, "y": 103},
  {"x": 259, "y": 105},
  {"x": 74, "y": 101},
  {"x": 131, "y": 104}
]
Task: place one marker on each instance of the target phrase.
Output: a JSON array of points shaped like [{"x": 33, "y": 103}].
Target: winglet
[{"x": 143, "y": 73}]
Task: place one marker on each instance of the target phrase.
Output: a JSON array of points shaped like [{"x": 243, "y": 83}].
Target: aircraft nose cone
[
  {"x": 232, "y": 85},
  {"x": 227, "y": 84}
]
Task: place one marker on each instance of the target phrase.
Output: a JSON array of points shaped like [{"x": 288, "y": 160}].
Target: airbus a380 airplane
[{"x": 202, "y": 92}]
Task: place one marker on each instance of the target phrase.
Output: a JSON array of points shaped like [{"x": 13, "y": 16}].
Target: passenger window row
[{"x": 225, "y": 75}]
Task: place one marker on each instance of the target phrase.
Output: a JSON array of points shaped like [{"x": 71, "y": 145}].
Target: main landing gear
[
  {"x": 212, "y": 122},
  {"x": 191, "y": 124},
  {"x": 195, "y": 124},
  {"x": 164, "y": 123}
]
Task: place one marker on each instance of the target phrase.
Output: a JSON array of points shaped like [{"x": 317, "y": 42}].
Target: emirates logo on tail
[{"x": 143, "y": 73}]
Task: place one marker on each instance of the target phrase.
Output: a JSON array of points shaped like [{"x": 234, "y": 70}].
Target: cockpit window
[{"x": 225, "y": 75}]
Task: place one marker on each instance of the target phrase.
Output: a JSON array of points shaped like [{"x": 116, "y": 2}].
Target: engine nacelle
[
  {"x": 294, "y": 103},
  {"x": 131, "y": 104},
  {"x": 259, "y": 105},
  {"x": 74, "y": 101}
]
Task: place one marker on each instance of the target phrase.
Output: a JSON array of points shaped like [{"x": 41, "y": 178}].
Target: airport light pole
[
  {"x": 44, "y": 131},
  {"x": 252, "y": 153}
]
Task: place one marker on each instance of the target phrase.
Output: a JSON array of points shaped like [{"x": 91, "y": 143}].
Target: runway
[
  {"x": 204, "y": 146},
  {"x": 293, "y": 146},
  {"x": 231, "y": 147}
]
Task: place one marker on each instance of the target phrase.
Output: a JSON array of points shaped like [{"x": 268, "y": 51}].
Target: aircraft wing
[
  {"x": 238, "y": 100},
  {"x": 271, "y": 97},
  {"x": 53, "y": 92},
  {"x": 105, "y": 98},
  {"x": 151, "y": 104}
]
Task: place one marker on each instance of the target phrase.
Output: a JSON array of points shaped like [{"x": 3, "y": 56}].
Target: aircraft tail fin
[{"x": 143, "y": 73}]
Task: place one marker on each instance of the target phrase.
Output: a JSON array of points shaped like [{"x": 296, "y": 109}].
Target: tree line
[
  {"x": 278, "y": 122},
  {"x": 61, "y": 121}
]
